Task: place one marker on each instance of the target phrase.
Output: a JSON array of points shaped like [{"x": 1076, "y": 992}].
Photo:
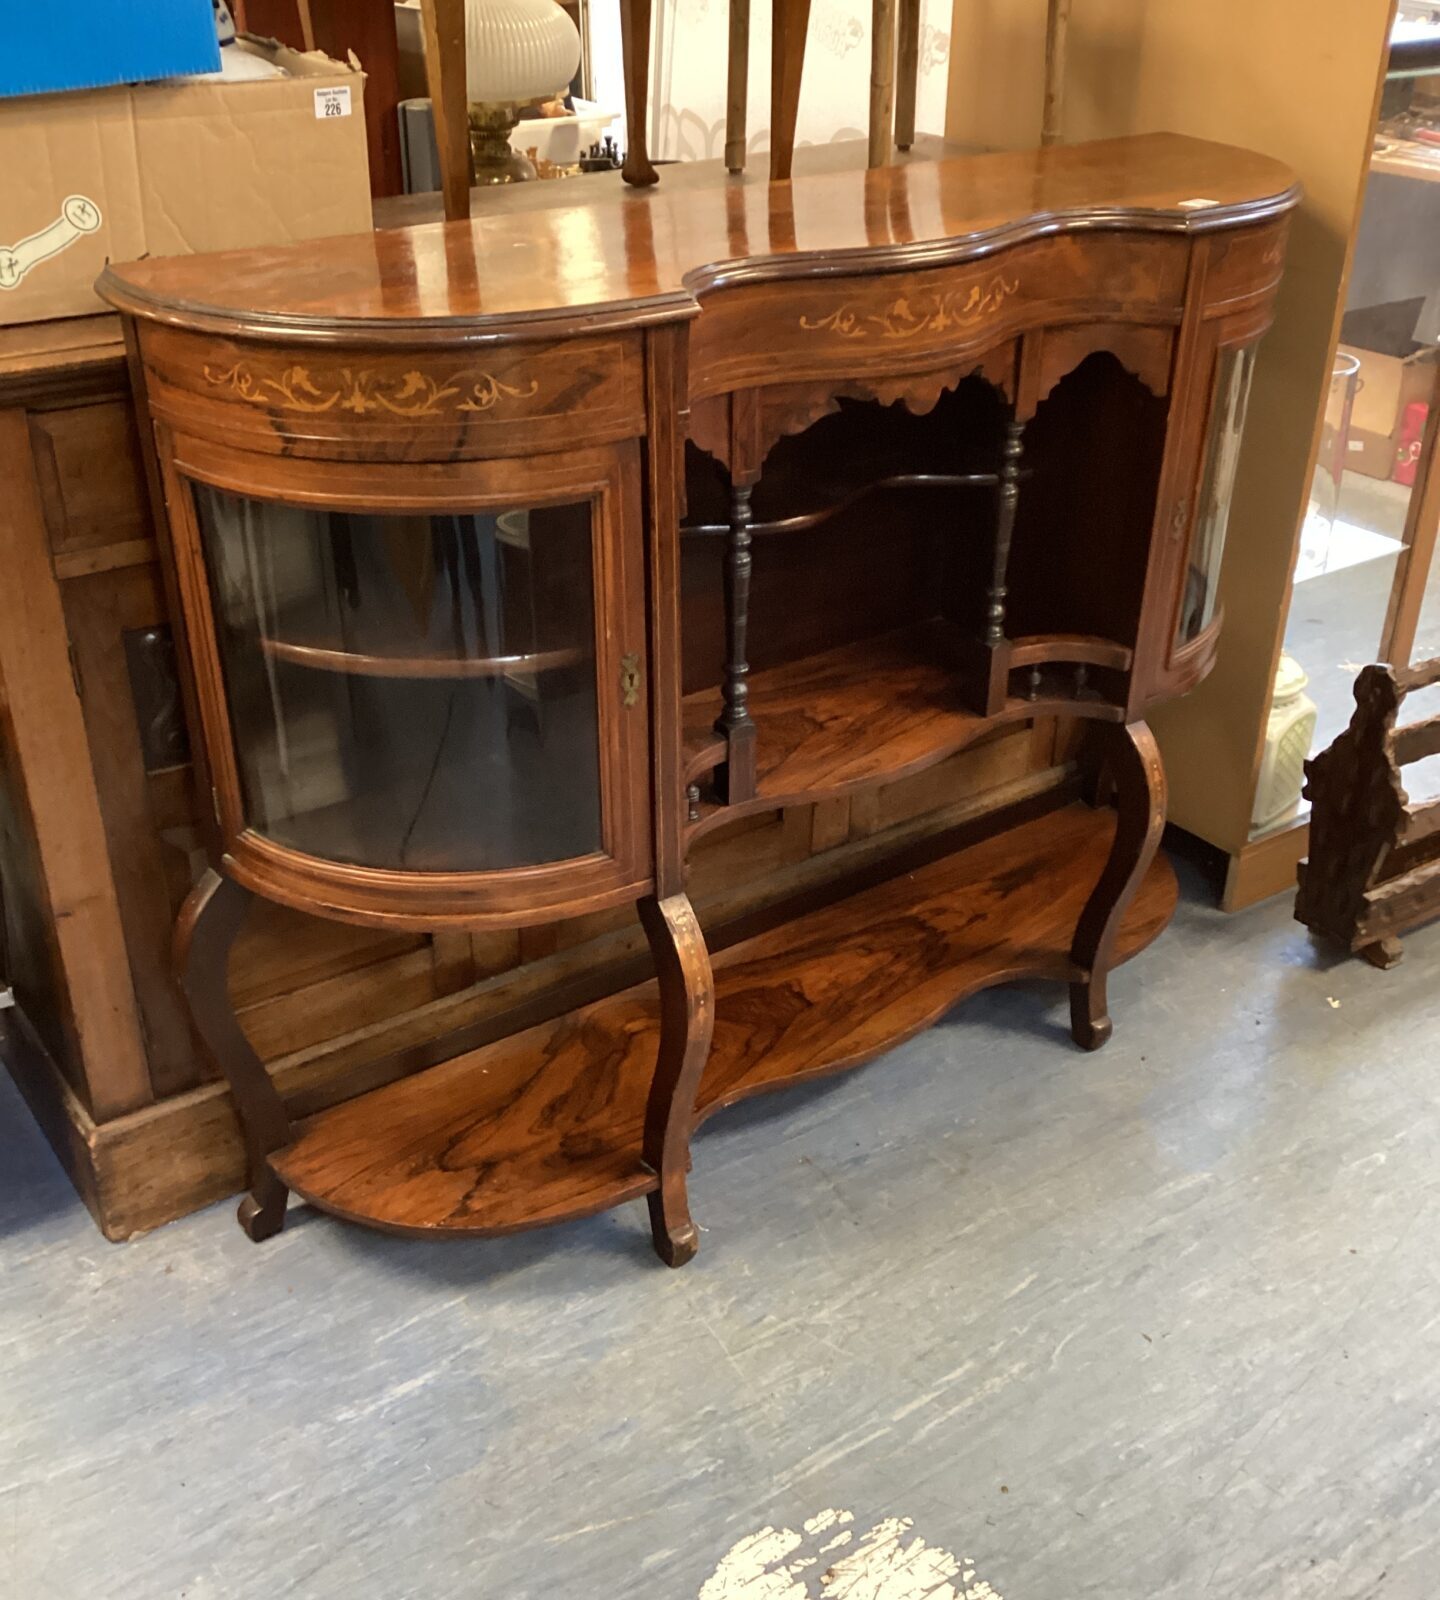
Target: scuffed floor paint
[{"x": 780, "y": 1564}]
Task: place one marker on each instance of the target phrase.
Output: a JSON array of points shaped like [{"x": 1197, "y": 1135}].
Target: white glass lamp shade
[{"x": 518, "y": 50}]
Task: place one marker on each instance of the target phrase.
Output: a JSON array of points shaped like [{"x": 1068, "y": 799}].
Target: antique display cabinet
[{"x": 513, "y": 557}]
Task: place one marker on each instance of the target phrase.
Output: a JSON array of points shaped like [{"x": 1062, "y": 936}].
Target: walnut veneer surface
[
  {"x": 662, "y": 246},
  {"x": 956, "y": 440}
]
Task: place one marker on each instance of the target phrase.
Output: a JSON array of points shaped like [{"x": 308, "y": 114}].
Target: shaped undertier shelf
[{"x": 546, "y": 1124}]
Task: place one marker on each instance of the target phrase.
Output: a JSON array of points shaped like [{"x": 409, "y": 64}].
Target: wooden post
[
  {"x": 50, "y": 782},
  {"x": 882, "y": 82},
  {"x": 307, "y": 23},
  {"x": 789, "y": 27},
  {"x": 1057, "y": 28},
  {"x": 738, "y": 86},
  {"x": 443, "y": 25},
  {"x": 735, "y": 721},
  {"x": 907, "y": 72},
  {"x": 1007, "y": 503}
]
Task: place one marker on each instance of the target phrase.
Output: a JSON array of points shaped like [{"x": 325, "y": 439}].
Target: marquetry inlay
[
  {"x": 909, "y": 316},
  {"x": 362, "y": 391}
]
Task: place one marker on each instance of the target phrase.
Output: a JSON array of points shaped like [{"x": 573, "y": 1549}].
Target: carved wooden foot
[
  {"x": 204, "y": 934},
  {"x": 676, "y": 1241},
  {"x": 1131, "y": 762},
  {"x": 262, "y": 1211},
  {"x": 687, "y": 1020},
  {"x": 635, "y": 58},
  {"x": 1384, "y": 953},
  {"x": 1090, "y": 1024}
]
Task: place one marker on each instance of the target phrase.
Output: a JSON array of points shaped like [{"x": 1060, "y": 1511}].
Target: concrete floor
[{"x": 1156, "y": 1324}]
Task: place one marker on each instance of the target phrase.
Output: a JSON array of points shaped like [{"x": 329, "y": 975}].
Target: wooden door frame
[
  {"x": 608, "y": 477},
  {"x": 1422, "y": 524}
]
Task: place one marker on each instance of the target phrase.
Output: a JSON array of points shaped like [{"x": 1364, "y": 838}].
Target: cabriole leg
[
  {"x": 635, "y": 58},
  {"x": 1131, "y": 762},
  {"x": 687, "y": 1020},
  {"x": 204, "y": 934}
]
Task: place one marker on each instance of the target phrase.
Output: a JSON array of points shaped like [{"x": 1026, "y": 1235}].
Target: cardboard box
[
  {"x": 1386, "y": 385},
  {"x": 51, "y": 45},
  {"x": 174, "y": 169}
]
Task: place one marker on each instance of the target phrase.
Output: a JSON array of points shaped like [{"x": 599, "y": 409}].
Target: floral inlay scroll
[
  {"x": 910, "y": 316},
  {"x": 362, "y": 391}
]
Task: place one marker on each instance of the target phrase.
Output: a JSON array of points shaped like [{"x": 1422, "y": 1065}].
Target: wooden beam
[
  {"x": 44, "y": 747},
  {"x": 1057, "y": 30},
  {"x": 1416, "y": 741},
  {"x": 907, "y": 72},
  {"x": 738, "y": 87},
  {"x": 882, "y": 81}
]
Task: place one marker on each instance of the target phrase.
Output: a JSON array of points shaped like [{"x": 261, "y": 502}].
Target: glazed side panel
[{"x": 1230, "y": 303}]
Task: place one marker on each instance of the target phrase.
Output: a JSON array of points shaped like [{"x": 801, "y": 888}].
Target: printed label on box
[{"x": 332, "y": 102}]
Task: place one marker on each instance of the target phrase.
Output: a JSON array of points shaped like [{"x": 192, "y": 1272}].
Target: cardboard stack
[{"x": 173, "y": 168}]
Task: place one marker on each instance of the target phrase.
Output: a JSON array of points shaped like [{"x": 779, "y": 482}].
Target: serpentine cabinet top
[{"x": 648, "y": 256}]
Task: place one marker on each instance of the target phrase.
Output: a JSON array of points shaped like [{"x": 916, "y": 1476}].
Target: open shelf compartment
[
  {"x": 880, "y": 708},
  {"x": 546, "y": 1124}
]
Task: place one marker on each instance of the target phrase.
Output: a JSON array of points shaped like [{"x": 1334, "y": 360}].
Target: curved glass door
[
  {"x": 1212, "y": 515},
  {"x": 410, "y": 691}
]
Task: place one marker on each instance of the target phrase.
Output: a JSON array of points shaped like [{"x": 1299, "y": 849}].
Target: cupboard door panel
[{"x": 423, "y": 697}]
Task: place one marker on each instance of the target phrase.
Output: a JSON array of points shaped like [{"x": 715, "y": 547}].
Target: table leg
[
  {"x": 789, "y": 28},
  {"x": 1132, "y": 764},
  {"x": 907, "y": 72},
  {"x": 687, "y": 1020},
  {"x": 635, "y": 54},
  {"x": 204, "y": 934}
]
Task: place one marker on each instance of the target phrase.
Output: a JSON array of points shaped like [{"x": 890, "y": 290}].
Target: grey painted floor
[{"x": 1163, "y": 1322}]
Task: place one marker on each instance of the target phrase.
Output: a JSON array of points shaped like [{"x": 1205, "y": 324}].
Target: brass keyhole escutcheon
[{"x": 630, "y": 679}]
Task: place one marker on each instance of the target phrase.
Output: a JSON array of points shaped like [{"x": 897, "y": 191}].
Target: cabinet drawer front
[
  {"x": 816, "y": 327},
  {"x": 431, "y": 405}
]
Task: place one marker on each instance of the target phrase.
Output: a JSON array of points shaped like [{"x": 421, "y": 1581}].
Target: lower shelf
[
  {"x": 880, "y": 708},
  {"x": 546, "y": 1124}
]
